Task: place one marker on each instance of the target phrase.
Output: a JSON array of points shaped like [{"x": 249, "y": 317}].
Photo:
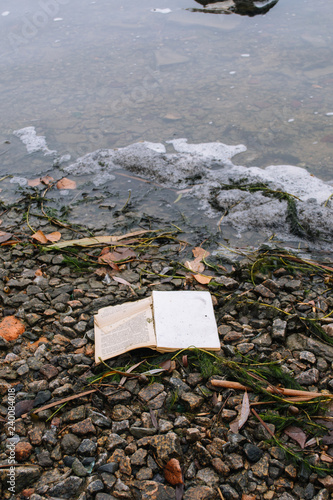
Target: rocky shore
[{"x": 79, "y": 435}]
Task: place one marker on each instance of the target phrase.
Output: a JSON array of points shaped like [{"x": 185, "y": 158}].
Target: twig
[
  {"x": 278, "y": 391},
  {"x": 61, "y": 401}
]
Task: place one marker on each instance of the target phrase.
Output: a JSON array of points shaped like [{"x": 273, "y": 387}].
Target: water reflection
[{"x": 243, "y": 7}]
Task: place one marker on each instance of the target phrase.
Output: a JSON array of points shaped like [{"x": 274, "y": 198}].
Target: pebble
[{"x": 114, "y": 443}]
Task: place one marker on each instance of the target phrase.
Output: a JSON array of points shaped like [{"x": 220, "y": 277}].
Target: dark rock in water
[{"x": 243, "y": 7}]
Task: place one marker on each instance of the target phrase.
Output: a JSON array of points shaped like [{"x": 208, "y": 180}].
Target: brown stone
[
  {"x": 23, "y": 450},
  {"x": 154, "y": 490},
  {"x": 166, "y": 446},
  {"x": 220, "y": 467},
  {"x": 35, "y": 436},
  {"x": 49, "y": 371},
  {"x": 192, "y": 401},
  {"x": 84, "y": 427},
  {"x": 199, "y": 493},
  {"x": 151, "y": 391},
  {"x": 28, "y": 492},
  {"x": 124, "y": 462},
  {"x": 121, "y": 412},
  {"x": 11, "y": 328}
]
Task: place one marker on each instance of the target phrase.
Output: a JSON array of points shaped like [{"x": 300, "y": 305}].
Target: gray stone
[
  {"x": 78, "y": 468},
  {"x": 87, "y": 447},
  {"x": 309, "y": 377},
  {"x": 67, "y": 489},
  {"x": 208, "y": 476},
  {"x": 279, "y": 329},
  {"x": 70, "y": 443},
  {"x": 24, "y": 477},
  {"x": 299, "y": 342},
  {"x": 44, "y": 459}
]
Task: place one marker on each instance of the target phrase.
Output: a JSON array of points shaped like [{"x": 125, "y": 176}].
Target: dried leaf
[
  {"x": 34, "y": 182},
  {"x": 237, "y": 424},
  {"x": 47, "y": 179},
  {"x": 120, "y": 255},
  {"x": 168, "y": 365},
  {"x": 121, "y": 280},
  {"x": 297, "y": 434},
  {"x": 202, "y": 278},
  {"x": 195, "y": 265},
  {"x": 153, "y": 419},
  {"x": 66, "y": 184},
  {"x": 324, "y": 457},
  {"x": 123, "y": 380},
  {"x": 46, "y": 238},
  {"x": 38, "y": 272},
  {"x": 185, "y": 360},
  {"x": 179, "y": 491},
  {"x": 173, "y": 472},
  {"x": 5, "y": 236},
  {"x": 97, "y": 240},
  {"x": 199, "y": 252},
  {"x": 40, "y": 237},
  {"x": 55, "y": 236},
  {"x": 11, "y": 328}
]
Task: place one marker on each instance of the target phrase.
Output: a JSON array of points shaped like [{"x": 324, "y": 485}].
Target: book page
[
  {"x": 123, "y": 327},
  {"x": 185, "y": 319}
]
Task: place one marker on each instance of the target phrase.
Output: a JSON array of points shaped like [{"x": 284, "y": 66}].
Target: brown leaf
[
  {"x": 185, "y": 360},
  {"x": 47, "y": 179},
  {"x": 34, "y": 182},
  {"x": 39, "y": 236},
  {"x": 66, "y": 184},
  {"x": 195, "y": 265},
  {"x": 168, "y": 365},
  {"x": 11, "y": 328},
  {"x": 202, "y": 278},
  {"x": 173, "y": 472},
  {"x": 199, "y": 252},
  {"x": 5, "y": 236},
  {"x": 118, "y": 256},
  {"x": 324, "y": 457},
  {"x": 38, "y": 272},
  {"x": 237, "y": 424},
  {"x": 297, "y": 434},
  {"x": 55, "y": 236}
]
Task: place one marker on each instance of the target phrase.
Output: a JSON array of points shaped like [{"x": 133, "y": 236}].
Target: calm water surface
[{"x": 103, "y": 74}]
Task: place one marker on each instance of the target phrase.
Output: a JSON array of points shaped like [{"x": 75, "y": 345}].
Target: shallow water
[{"x": 100, "y": 74}]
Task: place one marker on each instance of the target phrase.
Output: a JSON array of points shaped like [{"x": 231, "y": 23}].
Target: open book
[{"x": 166, "y": 321}]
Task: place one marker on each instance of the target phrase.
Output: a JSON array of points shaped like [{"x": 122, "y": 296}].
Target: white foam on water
[
  {"x": 204, "y": 170},
  {"x": 209, "y": 150},
  {"x": 32, "y": 141},
  {"x": 162, "y": 11}
]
